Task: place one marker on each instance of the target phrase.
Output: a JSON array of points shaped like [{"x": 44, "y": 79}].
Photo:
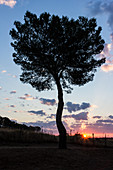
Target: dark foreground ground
[{"x": 49, "y": 157}]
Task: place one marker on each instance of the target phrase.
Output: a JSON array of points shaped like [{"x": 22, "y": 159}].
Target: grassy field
[
  {"x": 27, "y": 150},
  {"x": 49, "y": 157}
]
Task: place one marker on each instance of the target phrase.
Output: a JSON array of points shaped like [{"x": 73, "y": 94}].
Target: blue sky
[{"x": 88, "y": 109}]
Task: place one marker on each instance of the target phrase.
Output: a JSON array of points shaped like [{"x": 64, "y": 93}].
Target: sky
[{"x": 88, "y": 109}]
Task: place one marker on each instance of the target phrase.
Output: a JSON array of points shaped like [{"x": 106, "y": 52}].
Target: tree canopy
[{"x": 50, "y": 48}]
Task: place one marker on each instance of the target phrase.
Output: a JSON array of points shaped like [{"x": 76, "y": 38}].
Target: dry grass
[
  {"x": 16, "y": 136},
  {"x": 49, "y": 157}
]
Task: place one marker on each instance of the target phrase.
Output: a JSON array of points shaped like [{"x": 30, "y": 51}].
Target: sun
[{"x": 84, "y": 135}]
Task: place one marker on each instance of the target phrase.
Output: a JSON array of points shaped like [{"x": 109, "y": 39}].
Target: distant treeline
[{"x": 7, "y": 123}]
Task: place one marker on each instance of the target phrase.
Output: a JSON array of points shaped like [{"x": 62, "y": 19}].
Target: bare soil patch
[{"x": 49, "y": 157}]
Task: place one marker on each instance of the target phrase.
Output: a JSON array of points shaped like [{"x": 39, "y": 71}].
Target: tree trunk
[{"x": 60, "y": 126}]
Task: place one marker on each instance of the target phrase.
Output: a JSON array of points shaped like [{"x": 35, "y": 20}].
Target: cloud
[
  {"x": 95, "y": 7},
  {"x": 52, "y": 116},
  {"x": 14, "y": 76},
  {"x": 76, "y": 107},
  {"x": 7, "y": 99},
  {"x": 10, "y": 3},
  {"x": 13, "y": 92},
  {"x": 83, "y": 126},
  {"x": 27, "y": 97},
  {"x": 40, "y": 112},
  {"x": 50, "y": 125},
  {"x": 104, "y": 121},
  {"x": 0, "y": 88},
  {"x": 107, "y": 67},
  {"x": 76, "y": 127},
  {"x": 99, "y": 128},
  {"x": 12, "y": 106},
  {"x": 49, "y": 102},
  {"x": 111, "y": 117},
  {"x": 98, "y": 8},
  {"x": 80, "y": 116},
  {"x": 106, "y": 53},
  {"x": 97, "y": 117},
  {"x": 3, "y": 71}
]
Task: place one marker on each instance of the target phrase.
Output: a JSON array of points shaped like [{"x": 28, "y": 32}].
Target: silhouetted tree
[
  {"x": 7, "y": 123},
  {"x": 57, "y": 50}
]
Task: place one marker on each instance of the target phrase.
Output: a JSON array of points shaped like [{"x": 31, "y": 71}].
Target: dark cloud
[
  {"x": 80, "y": 116},
  {"x": 12, "y": 106},
  {"x": 111, "y": 117},
  {"x": 84, "y": 106},
  {"x": 76, "y": 107},
  {"x": 27, "y": 95},
  {"x": 104, "y": 121},
  {"x": 49, "y": 102},
  {"x": 13, "y": 92},
  {"x": 97, "y": 117},
  {"x": 40, "y": 112}
]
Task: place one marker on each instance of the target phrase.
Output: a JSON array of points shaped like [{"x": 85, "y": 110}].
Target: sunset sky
[{"x": 88, "y": 109}]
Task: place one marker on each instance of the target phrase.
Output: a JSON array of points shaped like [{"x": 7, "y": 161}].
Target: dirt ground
[{"x": 49, "y": 157}]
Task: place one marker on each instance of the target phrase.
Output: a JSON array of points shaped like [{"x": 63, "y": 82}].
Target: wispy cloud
[
  {"x": 13, "y": 92},
  {"x": 12, "y": 106},
  {"x": 49, "y": 102},
  {"x": 40, "y": 112},
  {"x": 27, "y": 97},
  {"x": 13, "y": 76},
  {"x": 107, "y": 67},
  {"x": 104, "y": 121},
  {"x": 10, "y": 3},
  {"x": 106, "y": 53},
  {"x": 7, "y": 99},
  {"x": 3, "y": 71},
  {"x": 97, "y": 117}
]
